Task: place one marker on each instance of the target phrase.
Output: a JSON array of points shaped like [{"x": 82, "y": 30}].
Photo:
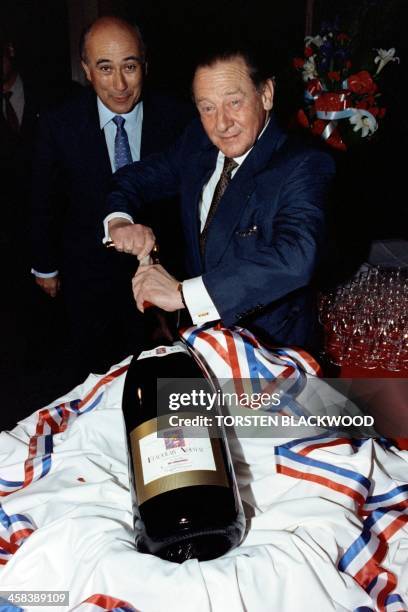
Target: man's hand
[
  {"x": 153, "y": 284},
  {"x": 50, "y": 285},
  {"x": 131, "y": 237}
]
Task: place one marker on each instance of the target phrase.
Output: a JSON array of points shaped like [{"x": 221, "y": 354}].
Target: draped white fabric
[{"x": 73, "y": 529}]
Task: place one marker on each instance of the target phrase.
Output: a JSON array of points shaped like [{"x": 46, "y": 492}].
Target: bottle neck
[{"x": 161, "y": 328}]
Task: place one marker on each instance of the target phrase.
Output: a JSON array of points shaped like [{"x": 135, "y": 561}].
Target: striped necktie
[{"x": 223, "y": 182}]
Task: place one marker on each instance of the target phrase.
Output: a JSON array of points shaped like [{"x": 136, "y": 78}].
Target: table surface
[{"x": 393, "y": 411}]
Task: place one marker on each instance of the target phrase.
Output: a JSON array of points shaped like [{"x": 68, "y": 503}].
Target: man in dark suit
[
  {"x": 252, "y": 210},
  {"x": 81, "y": 143},
  {"x": 20, "y": 101},
  {"x": 18, "y": 120}
]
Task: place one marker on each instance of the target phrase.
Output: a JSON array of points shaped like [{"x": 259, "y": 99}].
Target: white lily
[
  {"x": 384, "y": 57},
  {"x": 309, "y": 69},
  {"x": 317, "y": 41},
  {"x": 364, "y": 121}
]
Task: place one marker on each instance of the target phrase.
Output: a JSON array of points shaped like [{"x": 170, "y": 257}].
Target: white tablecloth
[{"x": 329, "y": 526}]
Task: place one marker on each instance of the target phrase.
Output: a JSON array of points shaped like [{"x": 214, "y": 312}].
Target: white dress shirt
[
  {"x": 200, "y": 306},
  {"x": 133, "y": 127}
]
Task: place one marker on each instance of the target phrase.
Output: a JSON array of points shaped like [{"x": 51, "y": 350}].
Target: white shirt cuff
[
  {"x": 44, "y": 274},
  {"x": 200, "y": 306},
  {"x": 115, "y": 215}
]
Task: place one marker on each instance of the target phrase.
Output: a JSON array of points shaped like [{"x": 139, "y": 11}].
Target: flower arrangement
[{"x": 342, "y": 99}]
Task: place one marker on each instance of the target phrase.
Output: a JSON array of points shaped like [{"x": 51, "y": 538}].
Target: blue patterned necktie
[{"x": 123, "y": 156}]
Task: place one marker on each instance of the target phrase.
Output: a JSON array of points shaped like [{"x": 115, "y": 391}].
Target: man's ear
[
  {"x": 267, "y": 94},
  {"x": 86, "y": 70}
]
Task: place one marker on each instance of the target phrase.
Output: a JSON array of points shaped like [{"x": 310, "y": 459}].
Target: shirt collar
[{"x": 106, "y": 115}]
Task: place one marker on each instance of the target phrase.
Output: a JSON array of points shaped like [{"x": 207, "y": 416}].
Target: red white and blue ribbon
[
  {"x": 235, "y": 354},
  {"x": 51, "y": 421},
  {"x": 363, "y": 558},
  {"x": 352, "y": 487},
  {"x": 394, "y": 497},
  {"x": 99, "y": 602},
  {"x": 386, "y": 513},
  {"x": 94, "y": 603},
  {"x": 16, "y": 528}
]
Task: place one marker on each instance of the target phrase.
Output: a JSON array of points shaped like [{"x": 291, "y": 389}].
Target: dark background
[
  {"x": 40, "y": 32},
  {"x": 175, "y": 31}
]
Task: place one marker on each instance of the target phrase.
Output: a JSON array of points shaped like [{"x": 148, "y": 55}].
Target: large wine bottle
[{"x": 188, "y": 504}]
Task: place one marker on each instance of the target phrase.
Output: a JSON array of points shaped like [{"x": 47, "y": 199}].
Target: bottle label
[
  {"x": 174, "y": 454},
  {"x": 161, "y": 351},
  {"x": 176, "y": 460}
]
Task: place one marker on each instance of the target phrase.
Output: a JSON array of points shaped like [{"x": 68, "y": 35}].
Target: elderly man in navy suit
[
  {"x": 253, "y": 212},
  {"x": 82, "y": 142}
]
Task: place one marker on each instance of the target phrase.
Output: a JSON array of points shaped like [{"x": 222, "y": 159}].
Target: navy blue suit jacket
[
  {"x": 71, "y": 177},
  {"x": 266, "y": 238}
]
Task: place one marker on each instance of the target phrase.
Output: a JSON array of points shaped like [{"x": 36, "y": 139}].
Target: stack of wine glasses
[{"x": 366, "y": 320}]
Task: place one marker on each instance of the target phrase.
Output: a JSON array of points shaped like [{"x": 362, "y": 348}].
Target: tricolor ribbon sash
[
  {"x": 236, "y": 355},
  {"x": 16, "y": 528},
  {"x": 99, "y": 602},
  {"x": 386, "y": 513}
]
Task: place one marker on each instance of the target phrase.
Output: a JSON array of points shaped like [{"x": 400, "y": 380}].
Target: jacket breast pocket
[
  {"x": 248, "y": 244},
  {"x": 252, "y": 230}
]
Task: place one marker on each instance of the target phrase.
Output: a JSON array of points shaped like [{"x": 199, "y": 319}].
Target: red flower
[
  {"x": 334, "y": 75},
  {"x": 362, "y": 104},
  {"x": 377, "y": 112},
  {"x": 370, "y": 100},
  {"x": 308, "y": 51},
  {"x": 362, "y": 83},
  {"x": 298, "y": 62},
  {"x": 318, "y": 127}
]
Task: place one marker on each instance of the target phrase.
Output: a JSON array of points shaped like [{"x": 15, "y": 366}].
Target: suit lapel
[
  {"x": 30, "y": 115},
  {"x": 239, "y": 191},
  {"x": 203, "y": 165},
  {"x": 148, "y": 127},
  {"x": 155, "y": 131},
  {"x": 151, "y": 131},
  {"x": 92, "y": 139}
]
